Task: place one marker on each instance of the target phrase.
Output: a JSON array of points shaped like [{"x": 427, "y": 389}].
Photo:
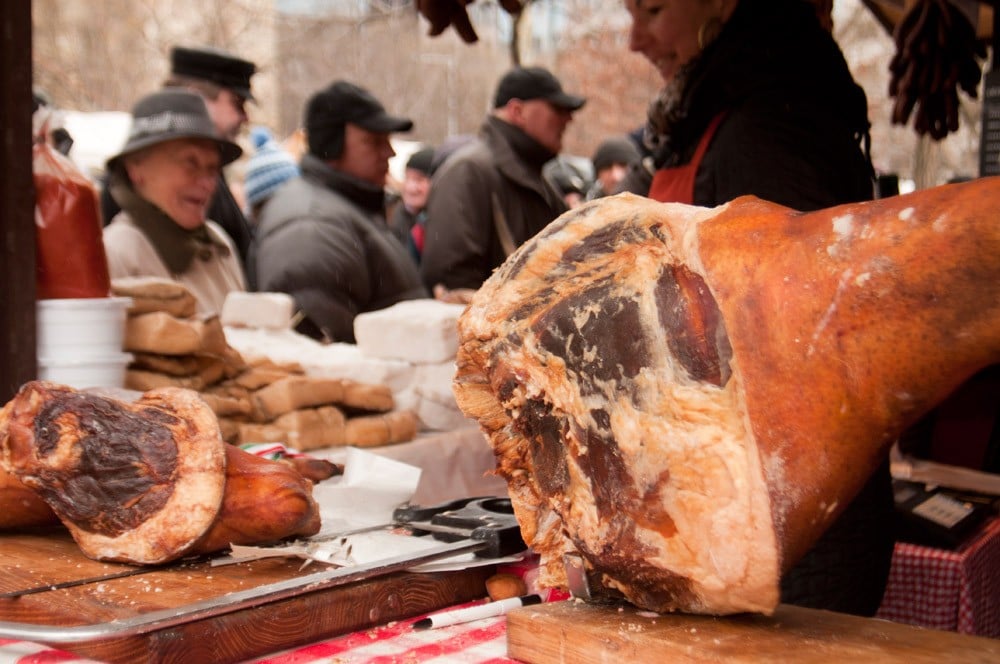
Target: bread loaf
[
  {"x": 294, "y": 392},
  {"x": 151, "y": 294},
  {"x": 383, "y": 429}
]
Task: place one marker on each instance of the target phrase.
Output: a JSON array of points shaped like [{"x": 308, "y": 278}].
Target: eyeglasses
[{"x": 195, "y": 169}]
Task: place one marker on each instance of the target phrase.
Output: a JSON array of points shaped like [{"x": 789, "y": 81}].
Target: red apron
[{"x": 676, "y": 185}]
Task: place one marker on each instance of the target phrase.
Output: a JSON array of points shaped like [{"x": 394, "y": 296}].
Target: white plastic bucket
[
  {"x": 83, "y": 372},
  {"x": 81, "y": 328}
]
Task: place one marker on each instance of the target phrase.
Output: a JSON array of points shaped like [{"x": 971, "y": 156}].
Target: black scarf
[
  {"x": 364, "y": 194},
  {"x": 531, "y": 152},
  {"x": 176, "y": 246},
  {"x": 767, "y": 45}
]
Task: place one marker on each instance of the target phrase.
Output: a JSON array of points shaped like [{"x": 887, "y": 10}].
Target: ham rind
[
  {"x": 133, "y": 482},
  {"x": 145, "y": 482},
  {"x": 687, "y": 397}
]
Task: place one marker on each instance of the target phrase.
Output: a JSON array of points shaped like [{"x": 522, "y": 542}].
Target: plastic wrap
[{"x": 70, "y": 257}]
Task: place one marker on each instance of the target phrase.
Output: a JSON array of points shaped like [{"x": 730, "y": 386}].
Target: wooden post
[{"x": 18, "y": 363}]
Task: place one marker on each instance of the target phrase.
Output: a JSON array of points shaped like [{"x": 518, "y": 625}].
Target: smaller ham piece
[
  {"x": 144, "y": 482},
  {"x": 686, "y": 397}
]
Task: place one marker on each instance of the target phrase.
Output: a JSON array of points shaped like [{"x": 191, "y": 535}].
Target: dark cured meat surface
[{"x": 115, "y": 485}]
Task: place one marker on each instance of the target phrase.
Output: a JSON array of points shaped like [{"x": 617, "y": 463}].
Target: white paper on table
[
  {"x": 371, "y": 487},
  {"x": 371, "y": 547},
  {"x": 362, "y": 549}
]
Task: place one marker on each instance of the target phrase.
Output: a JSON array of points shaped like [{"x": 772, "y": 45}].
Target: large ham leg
[
  {"x": 148, "y": 481},
  {"x": 688, "y": 397}
]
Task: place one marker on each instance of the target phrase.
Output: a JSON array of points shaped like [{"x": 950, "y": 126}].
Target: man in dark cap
[
  {"x": 612, "y": 159},
  {"x": 223, "y": 81},
  {"x": 410, "y": 213},
  {"x": 323, "y": 237},
  {"x": 490, "y": 196}
]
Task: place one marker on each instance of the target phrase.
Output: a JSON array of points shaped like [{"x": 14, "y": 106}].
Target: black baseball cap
[
  {"x": 331, "y": 108},
  {"x": 344, "y": 102},
  {"x": 214, "y": 65},
  {"x": 528, "y": 83}
]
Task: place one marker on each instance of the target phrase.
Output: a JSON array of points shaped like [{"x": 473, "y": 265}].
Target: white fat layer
[{"x": 715, "y": 494}]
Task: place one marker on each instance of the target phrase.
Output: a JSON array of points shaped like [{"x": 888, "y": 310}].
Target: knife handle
[
  {"x": 408, "y": 512},
  {"x": 488, "y": 519}
]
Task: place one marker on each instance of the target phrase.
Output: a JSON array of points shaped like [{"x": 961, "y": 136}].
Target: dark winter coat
[
  {"x": 324, "y": 240},
  {"x": 502, "y": 168},
  {"x": 402, "y": 224}
]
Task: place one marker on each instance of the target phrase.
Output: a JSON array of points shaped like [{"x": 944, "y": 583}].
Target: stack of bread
[
  {"x": 409, "y": 347},
  {"x": 256, "y": 401}
]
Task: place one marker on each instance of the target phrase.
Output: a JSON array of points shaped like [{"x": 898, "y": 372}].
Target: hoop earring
[{"x": 708, "y": 31}]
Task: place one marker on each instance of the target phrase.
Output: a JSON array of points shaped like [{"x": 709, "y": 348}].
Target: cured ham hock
[
  {"x": 687, "y": 397},
  {"x": 142, "y": 482}
]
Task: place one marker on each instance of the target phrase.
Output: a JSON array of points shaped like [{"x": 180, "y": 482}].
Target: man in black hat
[
  {"x": 223, "y": 81},
  {"x": 491, "y": 196},
  {"x": 612, "y": 160},
  {"x": 323, "y": 237}
]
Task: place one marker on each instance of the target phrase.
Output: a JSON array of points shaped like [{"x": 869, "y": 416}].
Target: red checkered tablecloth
[
  {"x": 25, "y": 652},
  {"x": 949, "y": 590},
  {"x": 478, "y": 642}
]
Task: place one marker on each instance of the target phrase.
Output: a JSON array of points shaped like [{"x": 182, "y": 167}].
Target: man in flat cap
[
  {"x": 490, "y": 196},
  {"x": 223, "y": 81},
  {"x": 323, "y": 237}
]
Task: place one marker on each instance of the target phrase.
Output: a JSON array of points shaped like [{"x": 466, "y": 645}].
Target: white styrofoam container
[
  {"x": 83, "y": 327},
  {"x": 270, "y": 311},
  {"x": 418, "y": 331},
  {"x": 83, "y": 372}
]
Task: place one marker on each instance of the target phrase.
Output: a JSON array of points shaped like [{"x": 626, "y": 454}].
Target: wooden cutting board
[
  {"x": 51, "y": 556},
  {"x": 578, "y": 633}
]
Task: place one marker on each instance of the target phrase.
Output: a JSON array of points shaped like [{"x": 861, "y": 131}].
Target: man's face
[
  {"x": 228, "y": 113},
  {"x": 542, "y": 121},
  {"x": 366, "y": 155},
  {"x": 416, "y": 187},
  {"x": 610, "y": 176}
]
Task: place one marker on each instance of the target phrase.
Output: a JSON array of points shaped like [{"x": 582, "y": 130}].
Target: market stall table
[
  {"x": 573, "y": 632},
  {"x": 947, "y": 590}
]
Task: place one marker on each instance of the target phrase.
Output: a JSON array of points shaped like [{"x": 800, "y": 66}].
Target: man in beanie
[
  {"x": 223, "y": 81},
  {"x": 491, "y": 196},
  {"x": 323, "y": 237},
  {"x": 613, "y": 158},
  {"x": 410, "y": 215}
]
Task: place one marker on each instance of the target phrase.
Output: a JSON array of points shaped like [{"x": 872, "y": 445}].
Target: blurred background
[{"x": 95, "y": 59}]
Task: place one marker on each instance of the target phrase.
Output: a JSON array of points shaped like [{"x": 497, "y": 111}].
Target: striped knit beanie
[{"x": 268, "y": 168}]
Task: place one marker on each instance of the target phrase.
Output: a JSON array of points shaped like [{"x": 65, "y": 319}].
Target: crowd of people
[
  {"x": 321, "y": 225},
  {"x": 756, "y": 99}
]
